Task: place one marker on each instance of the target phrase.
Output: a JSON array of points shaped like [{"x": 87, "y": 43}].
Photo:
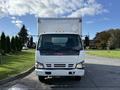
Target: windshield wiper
[
  {"x": 45, "y": 48},
  {"x": 76, "y": 48}
]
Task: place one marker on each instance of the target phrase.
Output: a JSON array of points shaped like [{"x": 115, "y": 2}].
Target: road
[{"x": 101, "y": 74}]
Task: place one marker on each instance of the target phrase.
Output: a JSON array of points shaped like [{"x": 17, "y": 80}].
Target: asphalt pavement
[{"x": 101, "y": 74}]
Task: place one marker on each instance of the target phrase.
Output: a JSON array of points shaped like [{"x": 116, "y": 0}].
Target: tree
[
  {"x": 30, "y": 43},
  {"x": 8, "y": 45},
  {"x": 23, "y": 35},
  {"x": 3, "y": 43},
  {"x": 101, "y": 39},
  {"x": 109, "y": 39},
  {"x": 13, "y": 47},
  {"x": 114, "y": 41},
  {"x": 0, "y": 44},
  {"x": 87, "y": 41},
  {"x": 17, "y": 43}
]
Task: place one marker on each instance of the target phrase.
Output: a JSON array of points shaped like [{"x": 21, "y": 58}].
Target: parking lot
[{"x": 101, "y": 74}]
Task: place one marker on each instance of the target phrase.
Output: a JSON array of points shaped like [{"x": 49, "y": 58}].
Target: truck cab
[{"x": 59, "y": 53}]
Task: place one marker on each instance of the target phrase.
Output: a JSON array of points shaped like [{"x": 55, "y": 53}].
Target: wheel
[
  {"x": 77, "y": 78},
  {"x": 41, "y": 78}
]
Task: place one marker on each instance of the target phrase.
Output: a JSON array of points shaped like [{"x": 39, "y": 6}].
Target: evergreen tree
[
  {"x": 17, "y": 43},
  {"x": 30, "y": 43},
  {"x": 13, "y": 47},
  {"x": 7, "y": 45},
  {"x": 23, "y": 35},
  {"x": 3, "y": 43},
  {"x": 0, "y": 44},
  {"x": 87, "y": 41}
]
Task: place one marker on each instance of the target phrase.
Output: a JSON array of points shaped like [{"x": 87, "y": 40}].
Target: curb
[{"x": 21, "y": 75}]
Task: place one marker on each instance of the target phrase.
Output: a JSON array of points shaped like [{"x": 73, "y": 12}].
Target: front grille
[
  {"x": 60, "y": 65},
  {"x": 48, "y": 65},
  {"x": 70, "y": 65}
]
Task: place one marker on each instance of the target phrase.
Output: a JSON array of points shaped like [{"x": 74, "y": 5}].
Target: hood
[{"x": 58, "y": 59}]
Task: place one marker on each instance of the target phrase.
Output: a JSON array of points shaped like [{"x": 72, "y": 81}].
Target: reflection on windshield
[{"x": 66, "y": 44}]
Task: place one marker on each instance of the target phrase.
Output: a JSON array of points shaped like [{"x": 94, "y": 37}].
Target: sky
[{"x": 98, "y": 15}]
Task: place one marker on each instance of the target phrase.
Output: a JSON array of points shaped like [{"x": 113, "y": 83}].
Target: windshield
[{"x": 59, "y": 44}]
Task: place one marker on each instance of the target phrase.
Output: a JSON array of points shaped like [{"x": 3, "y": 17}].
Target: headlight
[
  {"x": 39, "y": 65},
  {"x": 80, "y": 65}
]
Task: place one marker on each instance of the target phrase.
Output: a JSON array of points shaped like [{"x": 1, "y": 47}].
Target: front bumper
[{"x": 54, "y": 72}]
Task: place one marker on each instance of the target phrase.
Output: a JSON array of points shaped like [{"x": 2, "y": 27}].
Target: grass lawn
[
  {"x": 15, "y": 63},
  {"x": 105, "y": 53}
]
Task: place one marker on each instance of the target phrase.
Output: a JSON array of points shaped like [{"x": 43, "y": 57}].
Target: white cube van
[{"x": 59, "y": 49}]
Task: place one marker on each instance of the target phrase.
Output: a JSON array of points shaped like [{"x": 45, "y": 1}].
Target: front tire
[
  {"x": 77, "y": 78},
  {"x": 41, "y": 78}
]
